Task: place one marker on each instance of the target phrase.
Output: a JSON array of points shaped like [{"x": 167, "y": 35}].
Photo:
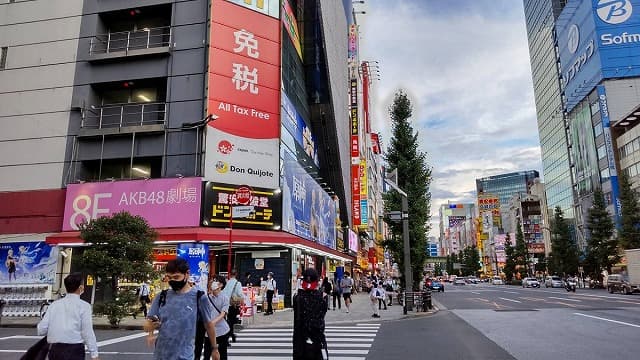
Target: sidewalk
[{"x": 360, "y": 312}]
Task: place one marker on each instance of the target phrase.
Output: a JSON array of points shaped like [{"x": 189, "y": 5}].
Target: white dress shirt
[
  {"x": 68, "y": 321},
  {"x": 271, "y": 284}
]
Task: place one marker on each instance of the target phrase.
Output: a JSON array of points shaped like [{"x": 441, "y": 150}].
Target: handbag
[
  {"x": 235, "y": 300},
  {"x": 37, "y": 351}
]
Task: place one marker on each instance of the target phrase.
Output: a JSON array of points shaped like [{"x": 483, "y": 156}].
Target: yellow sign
[{"x": 89, "y": 280}]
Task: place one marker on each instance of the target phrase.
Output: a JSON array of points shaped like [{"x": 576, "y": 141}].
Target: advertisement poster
[
  {"x": 307, "y": 210},
  {"x": 169, "y": 202},
  {"x": 197, "y": 255},
  {"x": 296, "y": 126},
  {"x": 27, "y": 263},
  {"x": 244, "y": 94},
  {"x": 353, "y": 241},
  {"x": 250, "y": 207}
]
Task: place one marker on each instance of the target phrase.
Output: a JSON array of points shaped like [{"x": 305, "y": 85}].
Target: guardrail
[
  {"x": 420, "y": 299},
  {"x": 126, "y": 41},
  {"x": 113, "y": 116}
]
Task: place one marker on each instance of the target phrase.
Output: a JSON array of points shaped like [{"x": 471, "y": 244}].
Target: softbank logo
[{"x": 614, "y": 11}]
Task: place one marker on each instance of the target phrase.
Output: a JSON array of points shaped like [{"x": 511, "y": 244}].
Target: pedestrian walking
[
  {"x": 374, "y": 296},
  {"x": 388, "y": 289},
  {"x": 221, "y": 306},
  {"x": 233, "y": 292},
  {"x": 381, "y": 297},
  {"x": 336, "y": 294},
  {"x": 175, "y": 313},
  {"x": 271, "y": 288},
  {"x": 143, "y": 296},
  {"x": 326, "y": 287},
  {"x": 68, "y": 325},
  {"x": 346, "y": 284},
  {"x": 310, "y": 306}
]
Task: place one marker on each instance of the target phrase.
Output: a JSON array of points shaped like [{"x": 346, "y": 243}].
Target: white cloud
[{"x": 468, "y": 76}]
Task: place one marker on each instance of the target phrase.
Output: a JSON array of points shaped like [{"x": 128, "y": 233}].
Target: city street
[{"x": 473, "y": 322}]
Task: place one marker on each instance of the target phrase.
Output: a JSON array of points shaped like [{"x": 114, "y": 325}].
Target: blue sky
[{"x": 465, "y": 66}]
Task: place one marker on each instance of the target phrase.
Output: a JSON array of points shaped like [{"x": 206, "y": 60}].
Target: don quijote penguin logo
[
  {"x": 225, "y": 147},
  {"x": 222, "y": 167}
]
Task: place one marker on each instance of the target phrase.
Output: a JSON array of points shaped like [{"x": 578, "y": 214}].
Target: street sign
[{"x": 395, "y": 215}]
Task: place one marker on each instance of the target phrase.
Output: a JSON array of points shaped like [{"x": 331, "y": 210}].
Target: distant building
[{"x": 457, "y": 229}]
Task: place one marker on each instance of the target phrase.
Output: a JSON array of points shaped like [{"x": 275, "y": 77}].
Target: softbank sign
[{"x": 616, "y": 12}]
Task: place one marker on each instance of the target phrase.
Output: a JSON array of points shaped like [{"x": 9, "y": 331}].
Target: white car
[
  {"x": 530, "y": 282},
  {"x": 496, "y": 280}
]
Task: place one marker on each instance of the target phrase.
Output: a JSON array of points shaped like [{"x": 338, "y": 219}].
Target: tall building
[
  {"x": 457, "y": 227},
  {"x": 541, "y": 17},
  {"x": 504, "y": 186},
  {"x": 199, "y": 115}
]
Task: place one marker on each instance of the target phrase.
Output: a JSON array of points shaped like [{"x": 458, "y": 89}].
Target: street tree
[
  {"x": 521, "y": 253},
  {"x": 121, "y": 249},
  {"x": 602, "y": 250},
  {"x": 437, "y": 269},
  {"x": 509, "y": 268},
  {"x": 629, "y": 232},
  {"x": 414, "y": 177},
  {"x": 471, "y": 260},
  {"x": 564, "y": 253}
]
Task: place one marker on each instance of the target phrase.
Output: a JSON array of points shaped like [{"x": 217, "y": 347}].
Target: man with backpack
[{"x": 175, "y": 313}]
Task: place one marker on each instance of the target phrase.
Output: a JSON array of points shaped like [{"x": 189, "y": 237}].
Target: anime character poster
[
  {"x": 28, "y": 263},
  {"x": 197, "y": 255}
]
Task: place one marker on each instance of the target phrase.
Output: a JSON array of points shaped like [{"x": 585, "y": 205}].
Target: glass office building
[
  {"x": 506, "y": 185},
  {"x": 541, "y": 16}
]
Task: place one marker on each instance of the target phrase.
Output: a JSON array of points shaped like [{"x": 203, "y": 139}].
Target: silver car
[
  {"x": 530, "y": 282},
  {"x": 553, "y": 281}
]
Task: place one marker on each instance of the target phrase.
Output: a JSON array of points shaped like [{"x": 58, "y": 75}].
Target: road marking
[
  {"x": 531, "y": 298},
  {"x": 289, "y": 344},
  {"x": 609, "y": 320},
  {"x": 481, "y": 299},
  {"x": 515, "y": 301},
  {"x": 511, "y": 292},
  {"x": 564, "y": 299},
  {"x": 231, "y": 357},
  {"x": 20, "y": 337},
  {"x": 121, "y": 339},
  {"x": 475, "y": 292}
]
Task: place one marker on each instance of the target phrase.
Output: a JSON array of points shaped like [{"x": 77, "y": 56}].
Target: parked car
[
  {"x": 437, "y": 286},
  {"x": 459, "y": 281},
  {"x": 496, "y": 280},
  {"x": 530, "y": 282},
  {"x": 472, "y": 280},
  {"x": 553, "y": 281},
  {"x": 620, "y": 283}
]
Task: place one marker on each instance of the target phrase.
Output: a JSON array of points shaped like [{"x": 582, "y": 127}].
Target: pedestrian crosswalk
[{"x": 344, "y": 343}]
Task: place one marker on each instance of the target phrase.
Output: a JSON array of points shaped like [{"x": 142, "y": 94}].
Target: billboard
[
  {"x": 197, "y": 255},
  {"x": 296, "y": 126},
  {"x": 455, "y": 220},
  {"x": 597, "y": 39},
  {"x": 244, "y": 93},
  {"x": 353, "y": 241},
  {"x": 266, "y": 7},
  {"x": 608, "y": 142},
  {"x": 169, "y": 202},
  {"x": 246, "y": 207},
  {"x": 364, "y": 190},
  {"x": 489, "y": 203},
  {"x": 291, "y": 25},
  {"x": 27, "y": 263},
  {"x": 307, "y": 210}
]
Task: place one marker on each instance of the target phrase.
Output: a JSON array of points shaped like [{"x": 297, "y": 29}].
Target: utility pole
[{"x": 392, "y": 180}]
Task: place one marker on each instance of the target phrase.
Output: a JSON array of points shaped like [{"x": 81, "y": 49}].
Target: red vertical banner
[
  {"x": 244, "y": 93},
  {"x": 365, "y": 97}
]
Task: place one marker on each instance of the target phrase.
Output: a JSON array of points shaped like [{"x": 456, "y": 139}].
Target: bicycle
[{"x": 45, "y": 305}]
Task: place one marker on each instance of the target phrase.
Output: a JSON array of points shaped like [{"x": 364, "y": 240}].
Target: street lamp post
[{"x": 408, "y": 276}]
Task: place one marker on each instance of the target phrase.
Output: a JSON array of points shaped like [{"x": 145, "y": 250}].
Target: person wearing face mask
[
  {"x": 271, "y": 290},
  {"x": 233, "y": 291},
  {"x": 68, "y": 325},
  {"x": 220, "y": 303},
  {"x": 175, "y": 312}
]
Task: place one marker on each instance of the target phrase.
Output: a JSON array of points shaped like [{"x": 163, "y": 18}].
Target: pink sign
[
  {"x": 353, "y": 241},
  {"x": 163, "y": 203}
]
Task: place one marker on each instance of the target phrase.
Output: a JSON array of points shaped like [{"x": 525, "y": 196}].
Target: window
[
  {"x": 604, "y": 174},
  {"x": 598, "y": 129},
  {"x": 602, "y": 152},
  {"x": 3, "y": 57}
]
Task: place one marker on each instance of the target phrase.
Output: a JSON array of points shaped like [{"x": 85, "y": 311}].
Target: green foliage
[
  {"x": 628, "y": 234},
  {"x": 449, "y": 265},
  {"x": 521, "y": 253},
  {"x": 563, "y": 259},
  {"x": 437, "y": 269},
  {"x": 116, "y": 310},
  {"x": 414, "y": 177},
  {"x": 509, "y": 268},
  {"x": 602, "y": 250},
  {"x": 121, "y": 248},
  {"x": 470, "y": 261}
]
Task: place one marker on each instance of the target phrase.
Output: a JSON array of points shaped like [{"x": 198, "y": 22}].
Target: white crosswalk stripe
[{"x": 344, "y": 343}]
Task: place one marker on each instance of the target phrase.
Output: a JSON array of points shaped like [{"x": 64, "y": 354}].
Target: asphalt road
[{"x": 474, "y": 322}]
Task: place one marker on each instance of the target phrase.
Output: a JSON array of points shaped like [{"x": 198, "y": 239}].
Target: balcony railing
[
  {"x": 122, "y": 115},
  {"x": 126, "y": 41}
]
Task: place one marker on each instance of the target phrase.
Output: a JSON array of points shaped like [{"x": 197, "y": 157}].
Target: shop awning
[{"x": 220, "y": 236}]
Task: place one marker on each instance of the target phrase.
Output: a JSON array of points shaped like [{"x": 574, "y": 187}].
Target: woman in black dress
[{"x": 309, "y": 308}]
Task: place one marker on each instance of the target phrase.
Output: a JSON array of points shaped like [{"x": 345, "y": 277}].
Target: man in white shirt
[
  {"x": 233, "y": 291},
  {"x": 271, "y": 289},
  {"x": 143, "y": 292},
  {"x": 67, "y": 324}
]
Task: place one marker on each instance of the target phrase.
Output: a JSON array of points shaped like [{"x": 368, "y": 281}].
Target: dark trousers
[
  {"x": 144, "y": 300},
  {"x": 59, "y": 351},
  {"x": 335, "y": 296},
  {"x": 200, "y": 340},
  {"x": 232, "y": 318},
  {"x": 380, "y": 303},
  {"x": 270, "y": 301},
  {"x": 222, "y": 341}
]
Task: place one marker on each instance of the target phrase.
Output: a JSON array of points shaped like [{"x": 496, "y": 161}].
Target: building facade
[
  {"x": 457, "y": 227},
  {"x": 214, "y": 120},
  {"x": 504, "y": 186}
]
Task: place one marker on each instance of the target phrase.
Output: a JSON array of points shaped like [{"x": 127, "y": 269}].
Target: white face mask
[{"x": 215, "y": 286}]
